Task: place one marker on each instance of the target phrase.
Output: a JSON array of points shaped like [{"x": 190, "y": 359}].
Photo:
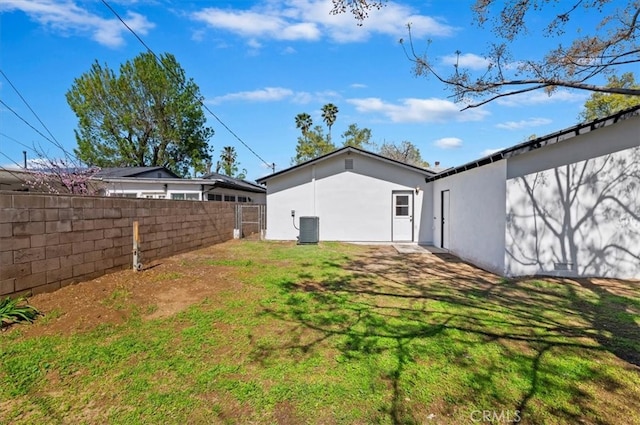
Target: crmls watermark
[{"x": 495, "y": 416}]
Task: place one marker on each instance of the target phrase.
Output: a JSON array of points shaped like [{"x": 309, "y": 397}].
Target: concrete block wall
[{"x": 50, "y": 241}]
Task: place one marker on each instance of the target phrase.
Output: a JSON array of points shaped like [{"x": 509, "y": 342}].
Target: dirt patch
[
  {"x": 171, "y": 285},
  {"x": 163, "y": 289}
]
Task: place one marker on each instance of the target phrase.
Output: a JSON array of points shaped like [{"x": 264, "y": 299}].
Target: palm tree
[
  {"x": 329, "y": 115},
  {"x": 304, "y": 122},
  {"x": 227, "y": 162}
]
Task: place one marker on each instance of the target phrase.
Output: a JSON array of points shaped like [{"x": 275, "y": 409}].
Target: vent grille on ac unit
[{"x": 309, "y": 230}]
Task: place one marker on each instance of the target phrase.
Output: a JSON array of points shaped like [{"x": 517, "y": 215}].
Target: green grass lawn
[{"x": 341, "y": 334}]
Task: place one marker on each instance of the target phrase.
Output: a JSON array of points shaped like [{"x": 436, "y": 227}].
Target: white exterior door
[
  {"x": 402, "y": 222},
  {"x": 444, "y": 210}
]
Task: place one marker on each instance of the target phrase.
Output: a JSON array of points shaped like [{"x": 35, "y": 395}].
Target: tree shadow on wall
[
  {"x": 582, "y": 219},
  {"x": 579, "y": 219}
]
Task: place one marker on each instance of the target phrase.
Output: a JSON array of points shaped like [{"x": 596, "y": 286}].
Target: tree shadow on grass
[{"x": 424, "y": 311}]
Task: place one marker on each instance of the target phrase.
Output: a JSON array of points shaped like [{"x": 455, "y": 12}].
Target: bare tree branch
[{"x": 614, "y": 43}]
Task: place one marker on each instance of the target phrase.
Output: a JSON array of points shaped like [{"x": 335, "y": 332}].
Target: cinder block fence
[{"x": 50, "y": 241}]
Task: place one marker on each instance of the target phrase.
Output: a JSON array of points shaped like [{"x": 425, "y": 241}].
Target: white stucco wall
[
  {"x": 142, "y": 189},
  {"x": 427, "y": 218},
  {"x": 477, "y": 214},
  {"x": 153, "y": 189},
  {"x": 353, "y": 205},
  {"x": 573, "y": 208}
]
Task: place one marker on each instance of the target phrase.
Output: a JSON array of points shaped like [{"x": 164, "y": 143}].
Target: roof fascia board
[
  {"x": 339, "y": 152},
  {"x": 537, "y": 143}
]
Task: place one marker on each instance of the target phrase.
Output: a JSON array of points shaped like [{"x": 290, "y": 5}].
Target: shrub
[{"x": 16, "y": 310}]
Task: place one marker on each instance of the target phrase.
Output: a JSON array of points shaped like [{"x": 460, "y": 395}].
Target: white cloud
[
  {"x": 311, "y": 20},
  {"x": 517, "y": 125},
  {"x": 540, "y": 97},
  {"x": 275, "y": 94},
  {"x": 358, "y": 86},
  {"x": 448, "y": 143},
  {"x": 319, "y": 97},
  {"x": 418, "y": 110},
  {"x": 467, "y": 60},
  {"x": 490, "y": 151},
  {"x": 254, "y": 44},
  {"x": 65, "y": 17},
  {"x": 255, "y": 24},
  {"x": 268, "y": 94}
]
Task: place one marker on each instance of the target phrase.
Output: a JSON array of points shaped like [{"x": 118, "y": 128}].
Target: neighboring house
[
  {"x": 14, "y": 179},
  {"x": 357, "y": 195},
  {"x": 565, "y": 204},
  {"x": 161, "y": 183}
]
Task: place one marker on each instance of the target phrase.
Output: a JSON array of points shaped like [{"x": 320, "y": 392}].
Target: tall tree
[
  {"x": 599, "y": 49},
  {"x": 405, "y": 152},
  {"x": 329, "y": 116},
  {"x": 600, "y": 105},
  {"x": 148, "y": 115},
  {"x": 357, "y": 137},
  {"x": 312, "y": 145},
  {"x": 228, "y": 161},
  {"x": 304, "y": 122}
]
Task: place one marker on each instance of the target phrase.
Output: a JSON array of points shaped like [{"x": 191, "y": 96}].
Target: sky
[{"x": 260, "y": 63}]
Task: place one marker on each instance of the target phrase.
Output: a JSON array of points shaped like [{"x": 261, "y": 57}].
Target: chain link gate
[{"x": 251, "y": 221}]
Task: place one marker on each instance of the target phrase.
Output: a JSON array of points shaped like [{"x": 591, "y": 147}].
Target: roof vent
[{"x": 348, "y": 164}]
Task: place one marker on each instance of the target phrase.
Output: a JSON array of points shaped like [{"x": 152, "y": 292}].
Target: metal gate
[{"x": 251, "y": 221}]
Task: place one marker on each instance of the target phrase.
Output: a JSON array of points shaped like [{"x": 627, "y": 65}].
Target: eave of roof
[
  {"x": 185, "y": 182},
  {"x": 131, "y": 171},
  {"x": 537, "y": 143},
  {"x": 227, "y": 180},
  {"x": 339, "y": 152}
]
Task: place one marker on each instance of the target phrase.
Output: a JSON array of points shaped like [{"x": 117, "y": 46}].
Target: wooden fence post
[{"x": 137, "y": 265}]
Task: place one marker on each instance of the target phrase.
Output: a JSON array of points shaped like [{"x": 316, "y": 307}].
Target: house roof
[
  {"x": 537, "y": 143},
  {"x": 232, "y": 183},
  {"x": 211, "y": 181},
  {"x": 349, "y": 149},
  {"x": 132, "y": 171}
]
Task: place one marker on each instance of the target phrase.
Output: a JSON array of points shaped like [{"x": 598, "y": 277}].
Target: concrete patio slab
[{"x": 412, "y": 248}]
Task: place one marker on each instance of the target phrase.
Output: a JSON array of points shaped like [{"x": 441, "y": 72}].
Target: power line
[
  {"x": 57, "y": 143},
  {"x": 27, "y": 122},
  {"x": 38, "y": 151},
  {"x": 199, "y": 101},
  {"x": 11, "y": 172},
  {"x": 18, "y": 142}
]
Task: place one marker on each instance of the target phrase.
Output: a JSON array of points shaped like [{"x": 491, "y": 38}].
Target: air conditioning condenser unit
[{"x": 309, "y": 230}]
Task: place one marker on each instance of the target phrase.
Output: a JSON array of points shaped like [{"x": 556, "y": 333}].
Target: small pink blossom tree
[{"x": 58, "y": 176}]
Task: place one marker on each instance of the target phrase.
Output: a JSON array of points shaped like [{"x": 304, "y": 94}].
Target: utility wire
[
  {"x": 18, "y": 142},
  {"x": 39, "y": 151},
  {"x": 199, "y": 101},
  {"x": 55, "y": 142},
  {"x": 27, "y": 122},
  {"x": 24, "y": 181}
]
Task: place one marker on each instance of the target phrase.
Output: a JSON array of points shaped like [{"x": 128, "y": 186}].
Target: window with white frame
[
  {"x": 153, "y": 195},
  {"x": 230, "y": 198},
  {"x": 186, "y": 196},
  {"x": 214, "y": 197},
  {"x": 243, "y": 199},
  {"x": 402, "y": 205}
]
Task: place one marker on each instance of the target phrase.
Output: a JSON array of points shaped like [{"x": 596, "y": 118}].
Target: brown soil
[
  {"x": 171, "y": 285},
  {"x": 162, "y": 289}
]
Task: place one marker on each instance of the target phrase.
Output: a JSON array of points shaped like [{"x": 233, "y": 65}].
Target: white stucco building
[
  {"x": 564, "y": 204},
  {"x": 161, "y": 183},
  {"x": 357, "y": 195}
]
